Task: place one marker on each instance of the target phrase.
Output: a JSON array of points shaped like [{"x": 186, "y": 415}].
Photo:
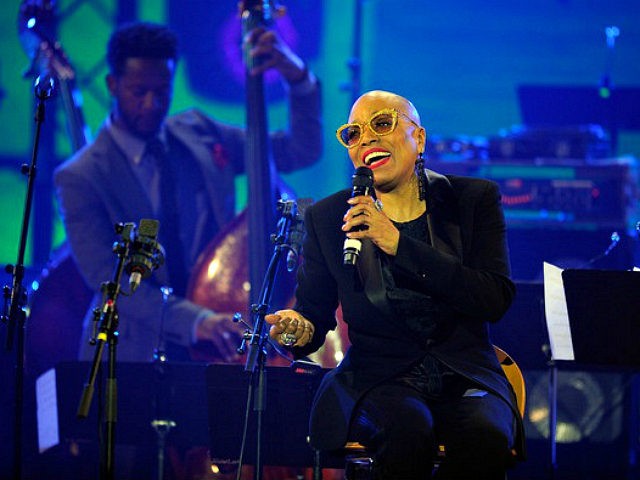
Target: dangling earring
[{"x": 422, "y": 177}]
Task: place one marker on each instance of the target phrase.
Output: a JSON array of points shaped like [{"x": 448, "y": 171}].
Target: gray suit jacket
[{"x": 97, "y": 188}]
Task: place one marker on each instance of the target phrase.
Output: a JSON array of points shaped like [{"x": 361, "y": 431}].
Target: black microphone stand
[
  {"x": 162, "y": 423},
  {"x": 258, "y": 339},
  {"x": 107, "y": 334},
  {"x": 14, "y": 314}
]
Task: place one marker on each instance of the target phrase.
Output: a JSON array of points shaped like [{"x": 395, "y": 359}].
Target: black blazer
[{"x": 466, "y": 271}]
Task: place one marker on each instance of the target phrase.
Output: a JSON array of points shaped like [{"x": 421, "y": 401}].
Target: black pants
[{"x": 403, "y": 421}]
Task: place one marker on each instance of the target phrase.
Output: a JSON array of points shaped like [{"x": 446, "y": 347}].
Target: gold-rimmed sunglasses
[{"x": 382, "y": 122}]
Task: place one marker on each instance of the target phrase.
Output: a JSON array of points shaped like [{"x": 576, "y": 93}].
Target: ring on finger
[{"x": 288, "y": 339}]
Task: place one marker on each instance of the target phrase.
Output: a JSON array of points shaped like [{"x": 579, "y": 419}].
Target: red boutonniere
[{"x": 219, "y": 155}]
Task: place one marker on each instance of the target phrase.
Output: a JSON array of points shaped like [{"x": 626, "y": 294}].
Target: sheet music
[
  {"x": 555, "y": 309},
  {"x": 48, "y": 435}
]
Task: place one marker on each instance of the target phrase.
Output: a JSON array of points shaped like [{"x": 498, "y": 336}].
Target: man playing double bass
[{"x": 178, "y": 169}]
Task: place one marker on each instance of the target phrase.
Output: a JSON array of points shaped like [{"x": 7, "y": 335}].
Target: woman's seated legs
[
  {"x": 393, "y": 421},
  {"x": 477, "y": 431}
]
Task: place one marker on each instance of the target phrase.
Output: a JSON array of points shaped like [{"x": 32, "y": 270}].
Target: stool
[{"x": 359, "y": 462}]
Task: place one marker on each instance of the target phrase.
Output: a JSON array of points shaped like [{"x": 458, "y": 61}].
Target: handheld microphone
[
  {"x": 146, "y": 253},
  {"x": 297, "y": 234},
  {"x": 362, "y": 181}
]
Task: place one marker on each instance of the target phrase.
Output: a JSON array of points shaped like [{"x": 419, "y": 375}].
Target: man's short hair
[{"x": 140, "y": 40}]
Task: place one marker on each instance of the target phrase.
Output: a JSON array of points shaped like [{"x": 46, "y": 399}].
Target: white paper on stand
[
  {"x": 555, "y": 309},
  {"x": 47, "y": 410}
]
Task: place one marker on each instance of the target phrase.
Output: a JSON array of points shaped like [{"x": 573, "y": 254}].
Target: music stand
[
  {"x": 603, "y": 309},
  {"x": 604, "y": 315},
  {"x": 290, "y": 395}
]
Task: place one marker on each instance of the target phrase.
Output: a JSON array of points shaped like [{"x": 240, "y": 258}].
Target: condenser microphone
[
  {"x": 362, "y": 181},
  {"x": 146, "y": 253}
]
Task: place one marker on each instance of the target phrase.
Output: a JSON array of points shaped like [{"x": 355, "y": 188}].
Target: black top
[{"x": 416, "y": 228}]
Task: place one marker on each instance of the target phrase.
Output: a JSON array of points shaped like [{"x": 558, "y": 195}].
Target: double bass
[
  {"x": 219, "y": 279},
  {"x": 258, "y": 221},
  {"x": 234, "y": 284}
]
